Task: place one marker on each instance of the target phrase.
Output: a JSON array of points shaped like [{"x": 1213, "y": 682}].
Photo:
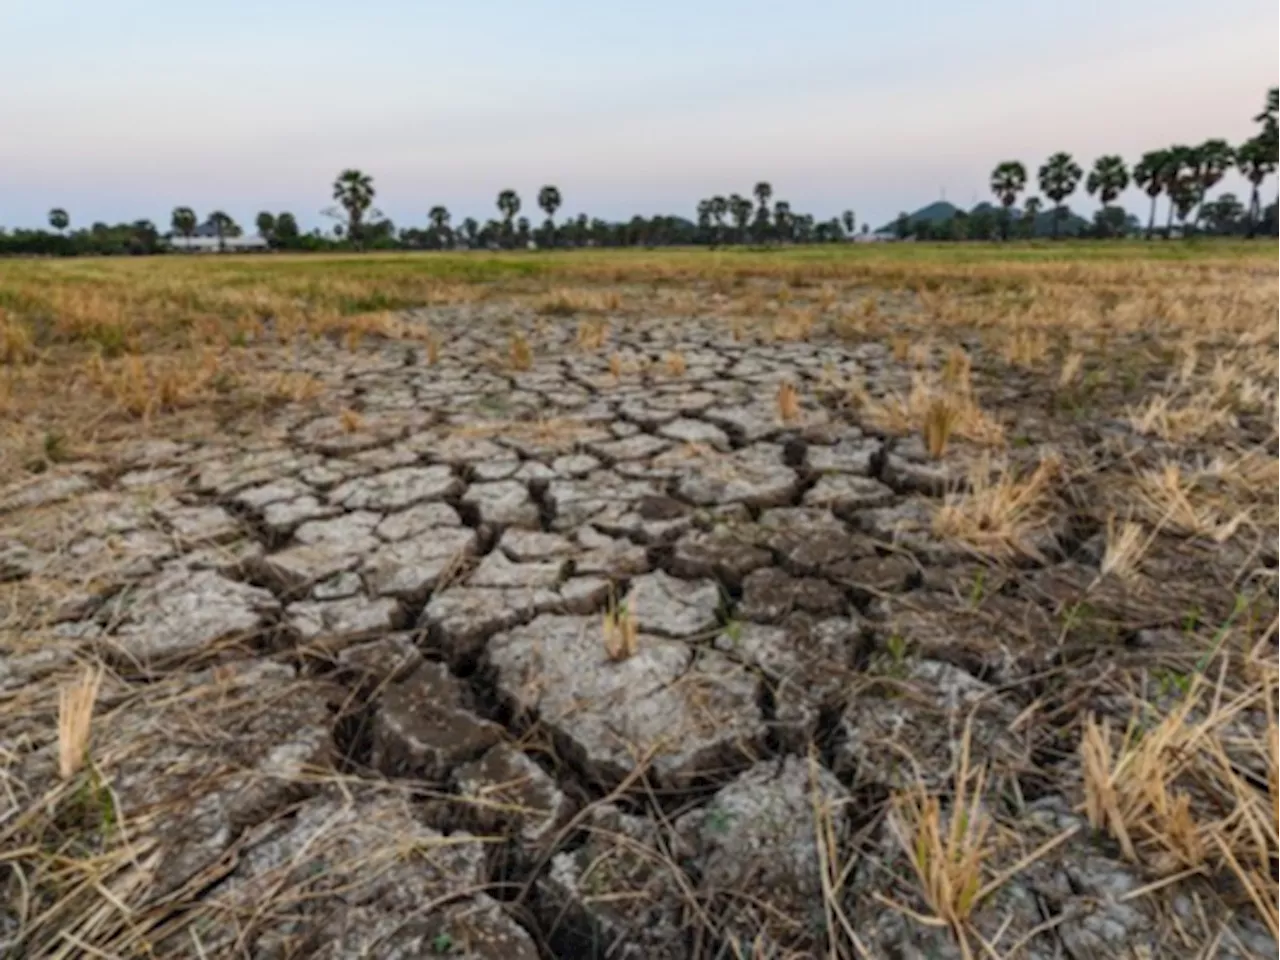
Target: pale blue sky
[{"x": 119, "y": 109}]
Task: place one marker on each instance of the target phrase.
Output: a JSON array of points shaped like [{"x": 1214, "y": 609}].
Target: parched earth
[{"x": 359, "y": 701}]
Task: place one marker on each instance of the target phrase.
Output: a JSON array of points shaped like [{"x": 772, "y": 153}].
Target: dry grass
[
  {"x": 350, "y": 420},
  {"x": 621, "y": 632},
  {"x": 675, "y": 364},
  {"x": 940, "y": 420},
  {"x": 571, "y": 301},
  {"x": 1125, "y": 544},
  {"x": 519, "y": 352},
  {"x": 592, "y": 335},
  {"x": 1188, "y": 502},
  {"x": 75, "y": 722},
  {"x": 1003, "y": 510},
  {"x": 1191, "y": 419},
  {"x": 947, "y": 852},
  {"x": 788, "y": 402},
  {"x": 900, "y": 414}
]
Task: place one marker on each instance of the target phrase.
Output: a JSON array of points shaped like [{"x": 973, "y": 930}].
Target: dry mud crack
[{"x": 360, "y": 698}]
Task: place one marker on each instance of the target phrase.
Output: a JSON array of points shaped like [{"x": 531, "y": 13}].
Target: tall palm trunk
[
  {"x": 1057, "y": 219},
  {"x": 1151, "y": 222},
  {"x": 1168, "y": 227},
  {"x": 1255, "y": 208}
]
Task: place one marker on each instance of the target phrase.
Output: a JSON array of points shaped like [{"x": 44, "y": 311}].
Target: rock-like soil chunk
[{"x": 688, "y": 715}]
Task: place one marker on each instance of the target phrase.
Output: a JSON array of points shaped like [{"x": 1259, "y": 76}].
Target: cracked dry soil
[{"x": 358, "y": 702}]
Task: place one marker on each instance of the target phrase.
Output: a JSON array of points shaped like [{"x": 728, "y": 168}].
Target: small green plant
[
  {"x": 1191, "y": 621},
  {"x": 978, "y": 590},
  {"x": 733, "y": 630},
  {"x": 442, "y": 943}
]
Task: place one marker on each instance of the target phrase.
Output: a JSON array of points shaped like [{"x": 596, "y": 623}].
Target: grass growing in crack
[
  {"x": 788, "y": 402},
  {"x": 1003, "y": 511},
  {"x": 621, "y": 632},
  {"x": 519, "y": 352}
]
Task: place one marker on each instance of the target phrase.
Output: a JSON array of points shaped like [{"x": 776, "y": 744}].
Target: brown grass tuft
[
  {"x": 621, "y": 632},
  {"x": 940, "y": 420},
  {"x": 520, "y": 354},
  {"x": 788, "y": 402},
  {"x": 75, "y": 722},
  {"x": 1002, "y": 512},
  {"x": 350, "y": 420},
  {"x": 676, "y": 365}
]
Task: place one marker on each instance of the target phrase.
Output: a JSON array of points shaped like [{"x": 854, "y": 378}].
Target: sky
[{"x": 122, "y": 109}]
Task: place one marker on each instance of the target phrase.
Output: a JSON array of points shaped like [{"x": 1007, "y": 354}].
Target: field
[{"x": 884, "y": 601}]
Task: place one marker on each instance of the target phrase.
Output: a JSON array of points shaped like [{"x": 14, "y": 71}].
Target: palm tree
[
  {"x": 718, "y": 206},
  {"x": 1148, "y": 175},
  {"x": 1213, "y": 159},
  {"x": 850, "y": 222},
  {"x": 1059, "y": 178},
  {"x": 763, "y": 192},
  {"x": 1180, "y": 160},
  {"x": 740, "y": 210},
  {"x": 1270, "y": 120},
  {"x": 353, "y": 189},
  {"x": 266, "y": 225},
  {"x": 183, "y": 220},
  {"x": 223, "y": 227},
  {"x": 1007, "y": 181},
  {"x": 1108, "y": 179},
  {"x": 549, "y": 200},
  {"x": 508, "y": 206},
  {"x": 439, "y": 217},
  {"x": 58, "y": 219},
  {"x": 1255, "y": 160},
  {"x": 783, "y": 220}
]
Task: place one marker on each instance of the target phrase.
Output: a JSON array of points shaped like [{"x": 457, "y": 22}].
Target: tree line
[{"x": 1182, "y": 174}]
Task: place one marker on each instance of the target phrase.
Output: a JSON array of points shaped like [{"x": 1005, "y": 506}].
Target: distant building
[
  {"x": 210, "y": 244},
  {"x": 879, "y": 236}
]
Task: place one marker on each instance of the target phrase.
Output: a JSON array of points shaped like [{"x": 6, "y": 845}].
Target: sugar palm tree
[
  {"x": 1108, "y": 179},
  {"x": 1256, "y": 161},
  {"x": 763, "y": 192},
  {"x": 439, "y": 217},
  {"x": 1270, "y": 135},
  {"x": 783, "y": 220},
  {"x": 549, "y": 200},
  {"x": 508, "y": 206},
  {"x": 1007, "y": 181},
  {"x": 850, "y": 222},
  {"x": 1059, "y": 177},
  {"x": 1213, "y": 159},
  {"x": 718, "y": 206},
  {"x": 58, "y": 219},
  {"x": 1180, "y": 161},
  {"x": 740, "y": 210},
  {"x": 1148, "y": 176},
  {"x": 183, "y": 221},
  {"x": 353, "y": 189}
]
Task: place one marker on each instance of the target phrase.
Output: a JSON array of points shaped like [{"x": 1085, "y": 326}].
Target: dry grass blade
[
  {"x": 621, "y": 632},
  {"x": 1178, "y": 500},
  {"x": 788, "y": 400},
  {"x": 1125, "y": 545},
  {"x": 1072, "y": 364},
  {"x": 75, "y": 722},
  {"x": 676, "y": 364},
  {"x": 940, "y": 422},
  {"x": 1194, "y": 419}
]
